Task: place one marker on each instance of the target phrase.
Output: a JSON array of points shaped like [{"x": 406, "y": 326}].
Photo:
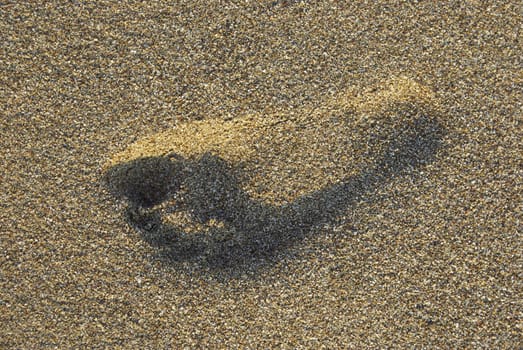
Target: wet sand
[{"x": 332, "y": 219}]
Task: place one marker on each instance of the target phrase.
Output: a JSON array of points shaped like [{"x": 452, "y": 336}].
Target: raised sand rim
[{"x": 334, "y": 139}]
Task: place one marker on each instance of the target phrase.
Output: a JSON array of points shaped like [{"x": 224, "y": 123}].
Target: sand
[{"x": 262, "y": 174}]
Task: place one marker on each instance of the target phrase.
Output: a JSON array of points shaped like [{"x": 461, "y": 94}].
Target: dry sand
[{"x": 265, "y": 174}]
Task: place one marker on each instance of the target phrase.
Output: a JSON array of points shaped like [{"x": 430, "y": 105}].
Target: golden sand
[
  {"x": 347, "y": 174},
  {"x": 294, "y": 147}
]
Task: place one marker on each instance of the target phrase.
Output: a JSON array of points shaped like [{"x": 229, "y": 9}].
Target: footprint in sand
[{"x": 227, "y": 191}]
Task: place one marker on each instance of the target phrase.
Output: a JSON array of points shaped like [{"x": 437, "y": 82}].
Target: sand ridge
[{"x": 296, "y": 146}]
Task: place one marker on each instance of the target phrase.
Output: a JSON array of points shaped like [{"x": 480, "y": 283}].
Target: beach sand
[{"x": 261, "y": 174}]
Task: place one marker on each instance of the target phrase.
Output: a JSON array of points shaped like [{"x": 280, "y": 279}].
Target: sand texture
[{"x": 261, "y": 174}]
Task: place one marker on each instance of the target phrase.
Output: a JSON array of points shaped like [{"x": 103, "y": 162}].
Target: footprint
[{"x": 235, "y": 189}]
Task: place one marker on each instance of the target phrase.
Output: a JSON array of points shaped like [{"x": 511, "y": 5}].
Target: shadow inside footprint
[
  {"x": 235, "y": 229},
  {"x": 144, "y": 182}
]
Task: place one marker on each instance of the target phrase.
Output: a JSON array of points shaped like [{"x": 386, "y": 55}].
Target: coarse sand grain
[{"x": 261, "y": 174}]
